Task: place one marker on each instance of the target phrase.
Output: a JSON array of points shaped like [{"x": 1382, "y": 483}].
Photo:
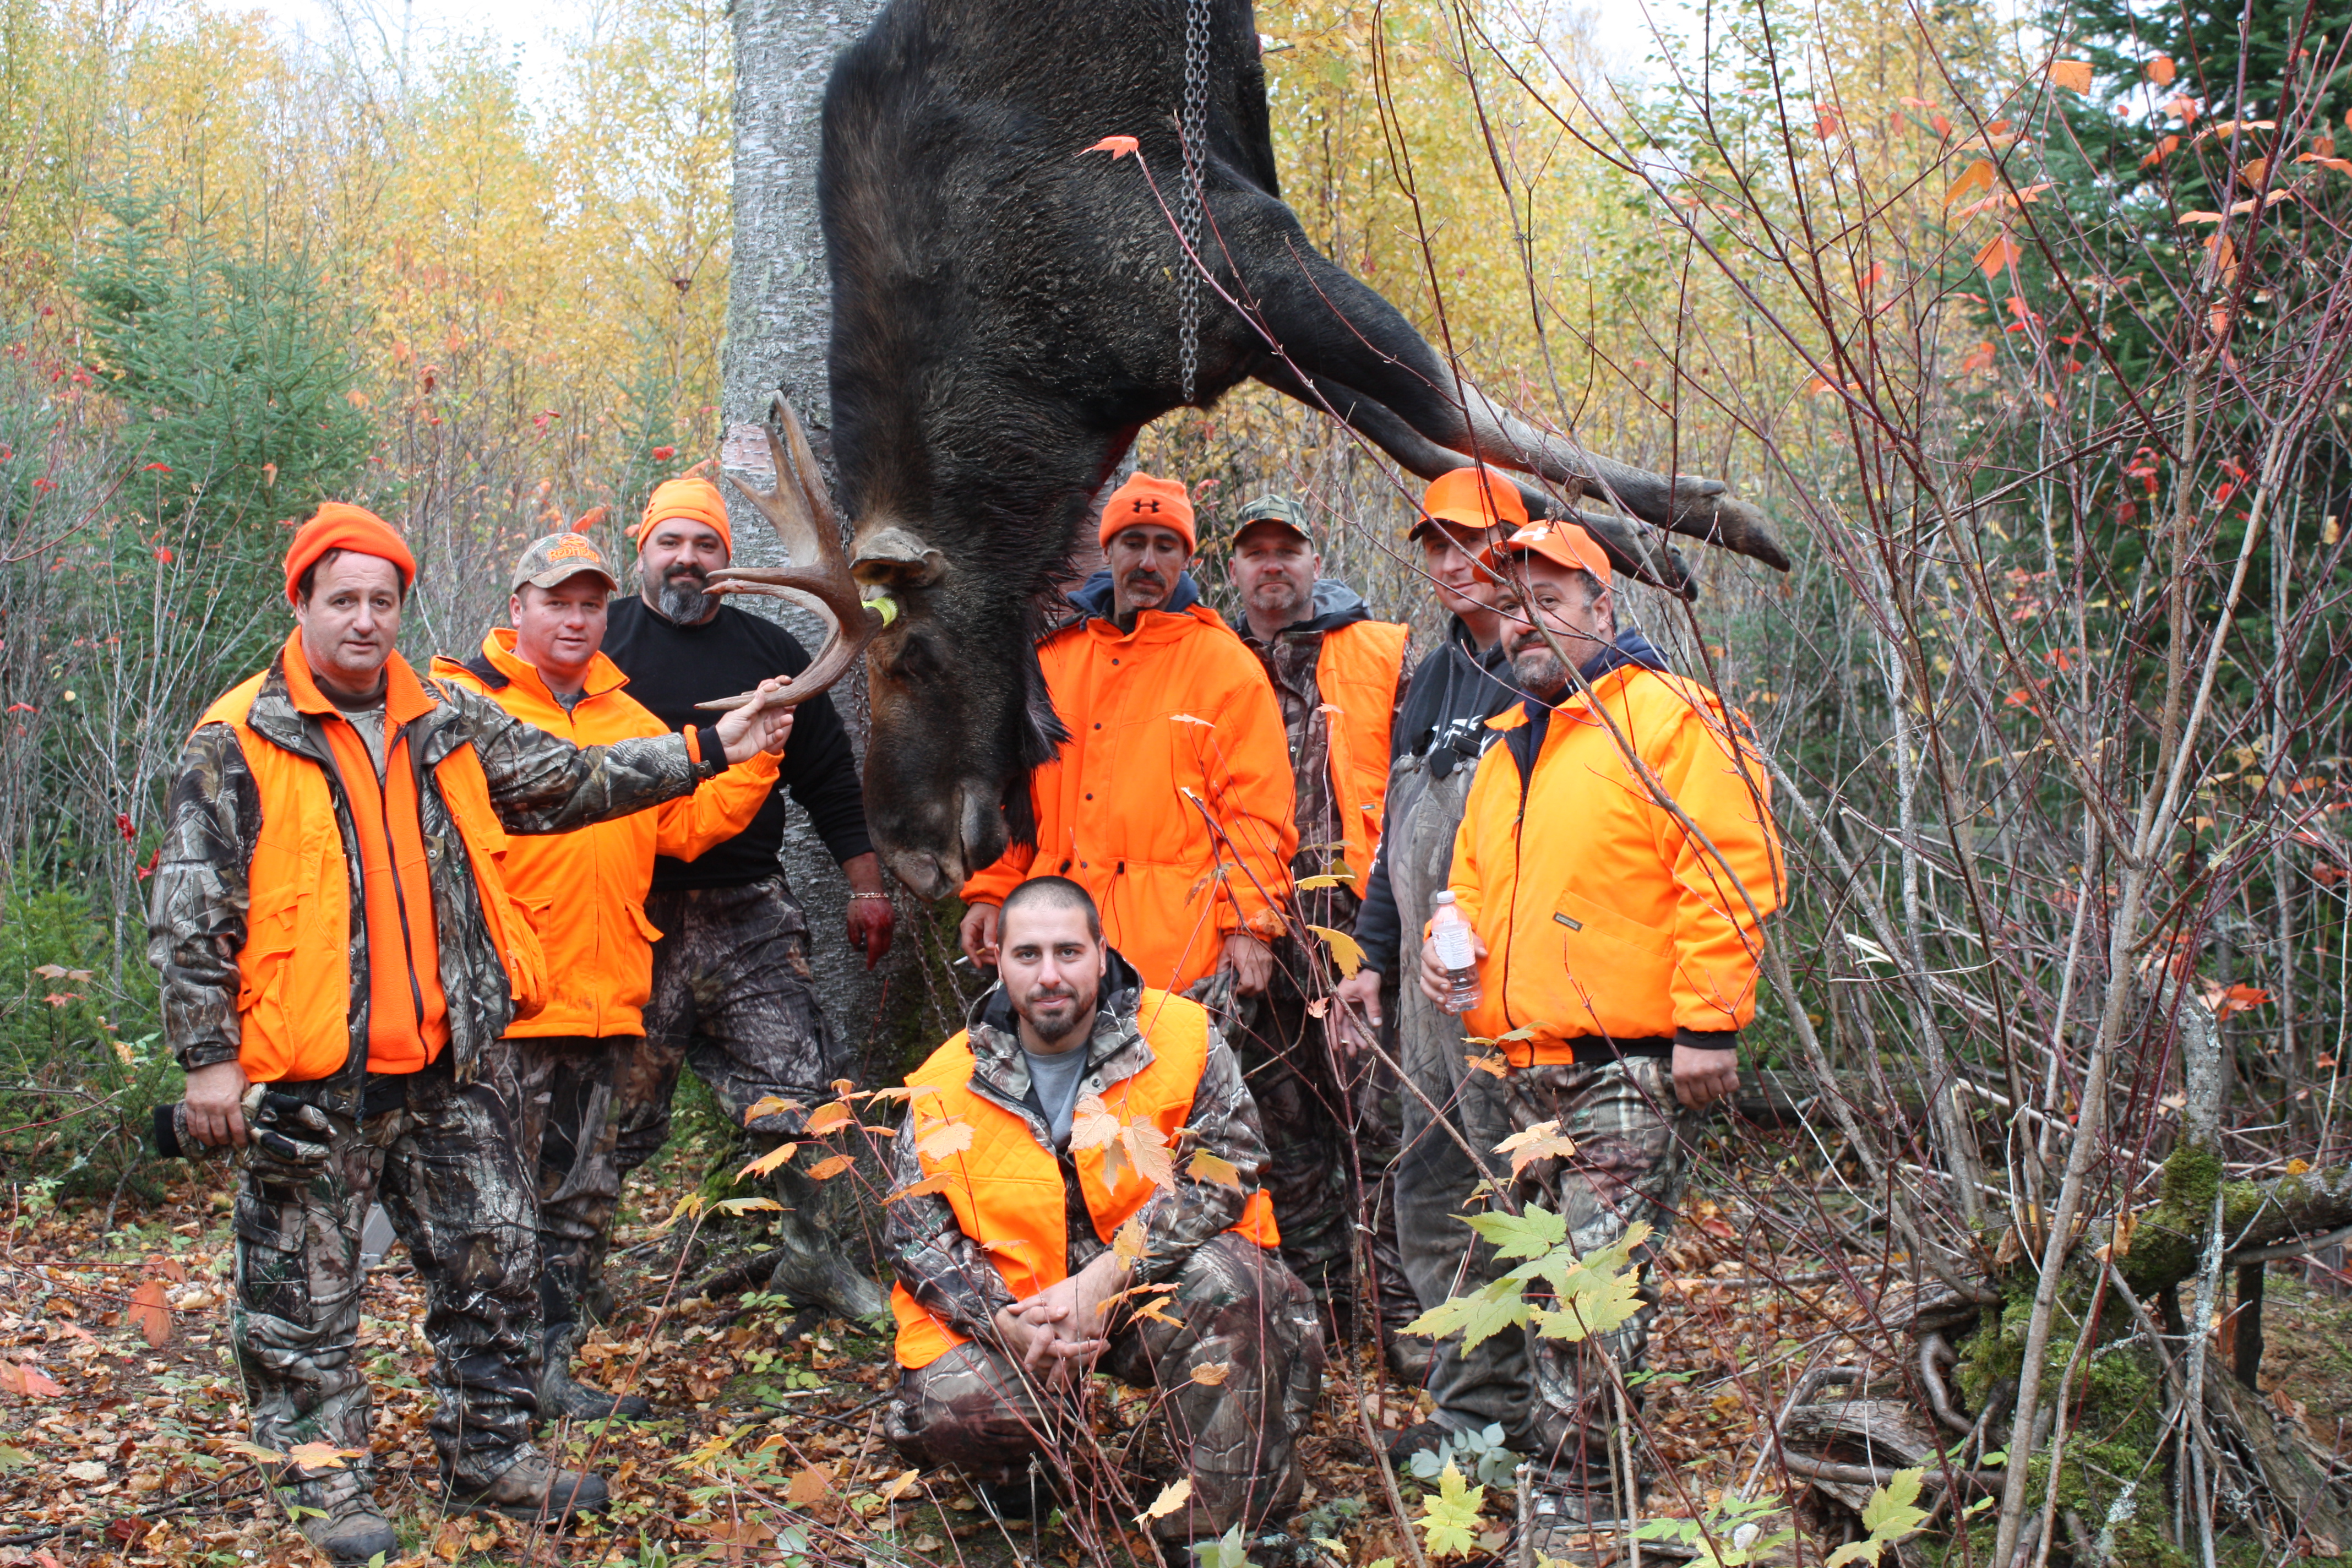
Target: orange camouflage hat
[
  {"x": 559, "y": 558},
  {"x": 1147, "y": 498},
  {"x": 1475, "y": 498},
  {"x": 692, "y": 498},
  {"x": 1562, "y": 543},
  {"x": 338, "y": 526}
]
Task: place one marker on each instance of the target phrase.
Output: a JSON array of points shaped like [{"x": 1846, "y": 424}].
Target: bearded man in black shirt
[{"x": 732, "y": 990}]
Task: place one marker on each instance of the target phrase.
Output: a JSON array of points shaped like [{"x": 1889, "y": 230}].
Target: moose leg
[
  {"x": 1329, "y": 324},
  {"x": 1631, "y": 550}
]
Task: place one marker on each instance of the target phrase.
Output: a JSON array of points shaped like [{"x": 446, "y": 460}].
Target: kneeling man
[{"x": 1026, "y": 1254}]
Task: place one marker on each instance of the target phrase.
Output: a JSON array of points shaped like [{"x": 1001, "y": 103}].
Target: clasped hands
[{"x": 1058, "y": 1331}]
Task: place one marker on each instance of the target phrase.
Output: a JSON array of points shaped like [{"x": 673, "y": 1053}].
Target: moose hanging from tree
[{"x": 1014, "y": 299}]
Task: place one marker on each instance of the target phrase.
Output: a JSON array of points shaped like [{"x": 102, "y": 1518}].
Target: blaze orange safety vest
[
  {"x": 294, "y": 997},
  {"x": 1357, "y": 674},
  {"x": 1006, "y": 1187}
]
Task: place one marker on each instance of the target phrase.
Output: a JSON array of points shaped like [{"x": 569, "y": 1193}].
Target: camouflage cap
[
  {"x": 558, "y": 558},
  {"x": 1276, "y": 507}
]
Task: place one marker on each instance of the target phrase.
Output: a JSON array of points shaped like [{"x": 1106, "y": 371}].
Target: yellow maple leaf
[
  {"x": 825, "y": 1169},
  {"x": 943, "y": 1139},
  {"x": 1210, "y": 1375},
  {"x": 928, "y": 1184},
  {"x": 830, "y": 1117},
  {"x": 1207, "y": 1167},
  {"x": 1091, "y": 1123},
  {"x": 712, "y": 1446},
  {"x": 1172, "y": 1497},
  {"x": 2073, "y": 75},
  {"x": 766, "y": 1162},
  {"x": 1978, "y": 176},
  {"x": 1346, "y": 951},
  {"x": 1127, "y": 1242},
  {"x": 321, "y": 1456},
  {"x": 1148, "y": 1149},
  {"x": 770, "y": 1105},
  {"x": 1541, "y": 1142}
]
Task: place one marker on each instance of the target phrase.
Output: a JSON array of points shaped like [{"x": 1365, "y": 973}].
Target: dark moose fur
[{"x": 1005, "y": 319}]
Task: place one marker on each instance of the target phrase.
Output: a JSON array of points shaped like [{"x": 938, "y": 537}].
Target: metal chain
[{"x": 1188, "y": 202}]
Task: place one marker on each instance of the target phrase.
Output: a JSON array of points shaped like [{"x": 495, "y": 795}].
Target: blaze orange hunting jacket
[
  {"x": 586, "y": 890},
  {"x": 1006, "y": 1187},
  {"x": 1357, "y": 673},
  {"x": 1603, "y": 919},
  {"x": 1171, "y": 801}
]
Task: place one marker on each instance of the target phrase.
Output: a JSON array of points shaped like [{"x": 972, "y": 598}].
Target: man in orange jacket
[
  {"x": 1616, "y": 862},
  {"x": 1171, "y": 801},
  {"x": 1077, "y": 1178},
  {"x": 1340, "y": 679},
  {"x": 586, "y": 894},
  {"x": 341, "y": 957}
]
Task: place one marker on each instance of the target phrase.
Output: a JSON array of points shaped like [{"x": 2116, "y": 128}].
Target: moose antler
[{"x": 802, "y": 514}]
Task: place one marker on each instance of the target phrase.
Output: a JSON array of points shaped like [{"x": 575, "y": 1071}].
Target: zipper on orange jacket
[{"x": 392, "y": 869}]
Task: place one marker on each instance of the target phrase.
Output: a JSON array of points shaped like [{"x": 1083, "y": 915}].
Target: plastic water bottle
[{"x": 1451, "y": 932}]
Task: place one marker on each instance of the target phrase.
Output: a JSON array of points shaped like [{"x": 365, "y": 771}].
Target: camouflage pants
[
  {"x": 571, "y": 1139},
  {"x": 1632, "y": 1144},
  {"x": 1327, "y": 1119},
  {"x": 732, "y": 1000},
  {"x": 1235, "y": 1306},
  {"x": 447, "y": 1168},
  {"x": 1445, "y": 1104}
]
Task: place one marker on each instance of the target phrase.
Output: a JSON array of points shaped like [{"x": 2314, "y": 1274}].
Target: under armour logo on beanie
[{"x": 1149, "y": 498}]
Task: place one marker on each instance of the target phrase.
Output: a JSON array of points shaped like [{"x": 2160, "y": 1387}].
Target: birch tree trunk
[{"x": 778, "y": 316}]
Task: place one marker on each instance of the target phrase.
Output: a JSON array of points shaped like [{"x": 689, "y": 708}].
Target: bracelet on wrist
[{"x": 884, "y": 897}]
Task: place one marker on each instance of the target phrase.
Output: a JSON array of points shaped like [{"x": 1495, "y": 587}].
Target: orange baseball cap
[
  {"x": 1561, "y": 542},
  {"x": 1475, "y": 498}
]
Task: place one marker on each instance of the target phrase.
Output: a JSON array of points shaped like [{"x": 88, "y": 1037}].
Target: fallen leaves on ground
[{"x": 135, "y": 1454}]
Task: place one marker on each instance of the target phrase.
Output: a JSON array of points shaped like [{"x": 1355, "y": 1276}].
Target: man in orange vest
[
  {"x": 586, "y": 894},
  {"x": 1340, "y": 679},
  {"x": 1171, "y": 801},
  {"x": 1076, "y": 1182},
  {"x": 341, "y": 957},
  {"x": 1617, "y": 952}
]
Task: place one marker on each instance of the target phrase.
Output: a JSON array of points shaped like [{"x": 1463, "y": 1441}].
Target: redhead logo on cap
[{"x": 575, "y": 549}]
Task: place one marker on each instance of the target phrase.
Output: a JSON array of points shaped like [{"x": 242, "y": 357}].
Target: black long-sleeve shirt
[{"x": 671, "y": 668}]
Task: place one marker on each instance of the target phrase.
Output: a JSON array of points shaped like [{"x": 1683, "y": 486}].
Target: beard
[
  {"x": 1054, "y": 1027},
  {"x": 1538, "y": 669},
  {"x": 682, "y": 595},
  {"x": 1277, "y": 601}
]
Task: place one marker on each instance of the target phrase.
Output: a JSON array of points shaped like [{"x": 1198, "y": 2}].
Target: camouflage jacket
[
  {"x": 538, "y": 783},
  {"x": 949, "y": 1274}
]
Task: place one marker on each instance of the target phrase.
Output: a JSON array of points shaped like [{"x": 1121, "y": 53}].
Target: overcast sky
[{"x": 527, "y": 27}]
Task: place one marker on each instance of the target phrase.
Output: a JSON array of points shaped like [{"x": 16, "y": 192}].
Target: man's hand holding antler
[{"x": 759, "y": 725}]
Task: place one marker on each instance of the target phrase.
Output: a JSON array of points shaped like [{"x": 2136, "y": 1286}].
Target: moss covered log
[{"x": 2169, "y": 1240}]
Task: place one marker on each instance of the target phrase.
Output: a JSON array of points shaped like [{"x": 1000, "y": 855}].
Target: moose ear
[{"x": 894, "y": 558}]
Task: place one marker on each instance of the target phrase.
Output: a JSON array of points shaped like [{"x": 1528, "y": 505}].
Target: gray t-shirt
[{"x": 1055, "y": 1080}]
